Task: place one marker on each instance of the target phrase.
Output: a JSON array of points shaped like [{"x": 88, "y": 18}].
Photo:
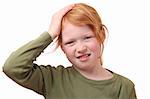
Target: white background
[{"x": 126, "y": 52}]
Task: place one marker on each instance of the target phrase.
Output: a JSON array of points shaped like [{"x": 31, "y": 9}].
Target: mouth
[{"x": 83, "y": 57}]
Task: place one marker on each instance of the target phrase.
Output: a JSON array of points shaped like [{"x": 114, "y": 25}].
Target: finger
[{"x": 64, "y": 10}]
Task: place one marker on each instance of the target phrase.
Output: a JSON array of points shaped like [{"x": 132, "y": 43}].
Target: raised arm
[{"x": 20, "y": 67}]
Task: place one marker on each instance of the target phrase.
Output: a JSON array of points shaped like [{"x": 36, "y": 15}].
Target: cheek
[
  {"x": 95, "y": 47},
  {"x": 68, "y": 51}
]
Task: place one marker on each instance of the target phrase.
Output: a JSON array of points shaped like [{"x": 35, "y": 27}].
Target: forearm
[{"x": 20, "y": 63}]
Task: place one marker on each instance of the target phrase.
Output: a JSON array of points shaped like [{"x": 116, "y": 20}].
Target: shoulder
[
  {"x": 126, "y": 87},
  {"x": 121, "y": 79},
  {"x": 124, "y": 81}
]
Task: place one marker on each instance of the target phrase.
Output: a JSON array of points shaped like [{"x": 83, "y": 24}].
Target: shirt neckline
[{"x": 83, "y": 78}]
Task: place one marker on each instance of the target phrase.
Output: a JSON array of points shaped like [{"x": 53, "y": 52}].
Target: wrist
[{"x": 52, "y": 35}]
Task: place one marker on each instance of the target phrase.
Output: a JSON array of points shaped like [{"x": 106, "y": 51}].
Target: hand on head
[{"x": 55, "y": 25}]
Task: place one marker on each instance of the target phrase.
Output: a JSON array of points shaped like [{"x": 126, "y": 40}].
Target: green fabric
[{"x": 60, "y": 82}]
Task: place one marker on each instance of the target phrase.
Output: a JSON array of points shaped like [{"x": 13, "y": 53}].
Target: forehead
[{"x": 70, "y": 31}]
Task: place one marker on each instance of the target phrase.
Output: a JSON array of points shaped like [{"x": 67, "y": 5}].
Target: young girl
[{"x": 81, "y": 36}]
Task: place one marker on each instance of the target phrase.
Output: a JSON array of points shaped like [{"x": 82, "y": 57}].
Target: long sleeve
[{"x": 20, "y": 67}]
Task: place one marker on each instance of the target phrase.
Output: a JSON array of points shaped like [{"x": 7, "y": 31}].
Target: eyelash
[
  {"x": 70, "y": 42},
  {"x": 88, "y": 37}
]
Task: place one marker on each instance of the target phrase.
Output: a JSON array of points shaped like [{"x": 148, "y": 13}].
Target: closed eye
[
  {"x": 88, "y": 37},
  {"x": 69, "y": 43}
]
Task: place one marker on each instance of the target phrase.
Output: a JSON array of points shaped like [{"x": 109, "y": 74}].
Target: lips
[{"x": 83, "y": 57}]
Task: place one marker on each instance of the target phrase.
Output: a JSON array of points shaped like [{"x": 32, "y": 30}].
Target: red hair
[{"x": 83, "y": 14}]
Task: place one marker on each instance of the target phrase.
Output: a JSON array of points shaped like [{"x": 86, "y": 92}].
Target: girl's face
[{"x": 80, "y": 46}]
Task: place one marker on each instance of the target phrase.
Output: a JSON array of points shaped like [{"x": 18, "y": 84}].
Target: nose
[{"x": 81, "y": 48}]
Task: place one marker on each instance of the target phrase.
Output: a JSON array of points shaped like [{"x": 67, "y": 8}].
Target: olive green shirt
[{"x": 60, "y": 82}]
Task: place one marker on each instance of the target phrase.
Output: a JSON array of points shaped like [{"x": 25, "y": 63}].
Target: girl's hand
[{"x": 55, "y": 25}]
